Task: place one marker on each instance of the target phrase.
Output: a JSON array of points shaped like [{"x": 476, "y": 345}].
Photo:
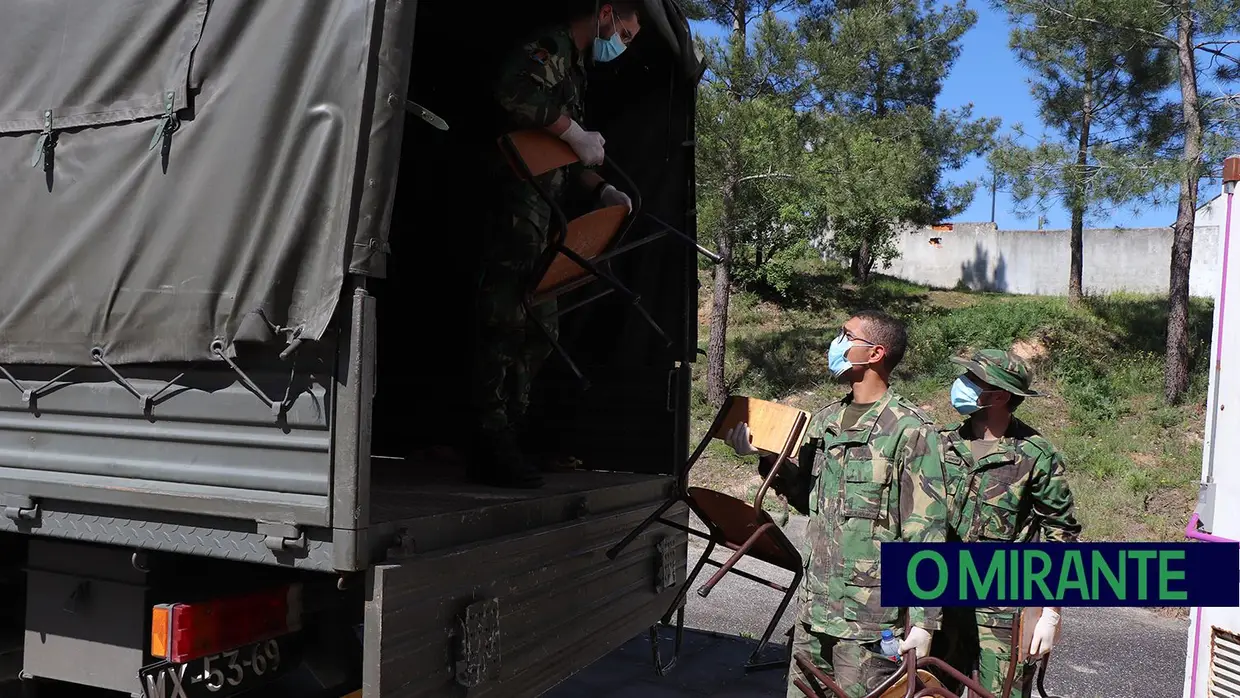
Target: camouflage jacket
[
  {"x": 1014, "y": 492},
  {"x": 876, "y": 482},
  {"x": 540, "y": 79}
]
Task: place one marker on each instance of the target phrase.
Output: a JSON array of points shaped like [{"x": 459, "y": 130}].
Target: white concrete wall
[{"x": 1037, "y": 262}]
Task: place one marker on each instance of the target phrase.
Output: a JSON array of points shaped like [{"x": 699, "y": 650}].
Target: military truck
[{"x": 235, "y": 311}]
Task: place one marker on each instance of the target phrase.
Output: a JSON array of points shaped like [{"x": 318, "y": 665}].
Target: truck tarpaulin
[{"x": 179, "y": 172}]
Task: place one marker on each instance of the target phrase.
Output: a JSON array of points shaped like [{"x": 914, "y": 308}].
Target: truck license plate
[{"x": 225, "y": 674}]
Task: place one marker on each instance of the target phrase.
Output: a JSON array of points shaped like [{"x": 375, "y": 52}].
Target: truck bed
[
  {"x": 401, "y": 492},
  {"x": 429, "y": 505}
]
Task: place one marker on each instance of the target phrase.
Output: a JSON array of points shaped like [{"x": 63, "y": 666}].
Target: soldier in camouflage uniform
[
  {"x": 1006, "y": 484},
  {"x": 867, "y": 473},
  {"x": 540, "y": 85}
]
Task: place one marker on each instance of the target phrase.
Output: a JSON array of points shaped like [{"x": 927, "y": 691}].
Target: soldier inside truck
[
  {"x": 456, "y": 191},
  {"x": 538, "y": 87}
]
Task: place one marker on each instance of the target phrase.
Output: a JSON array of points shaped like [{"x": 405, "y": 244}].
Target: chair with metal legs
[
  {"x": 914, "y": 680},
  {"x": 741, "y": 526},
  {"x": 579, "y": 251}
]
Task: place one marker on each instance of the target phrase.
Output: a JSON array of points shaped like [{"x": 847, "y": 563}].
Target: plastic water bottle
[{"x": 890, "y": 645}]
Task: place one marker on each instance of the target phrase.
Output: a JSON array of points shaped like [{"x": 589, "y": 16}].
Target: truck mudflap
[{"x": 515, "y": 616}]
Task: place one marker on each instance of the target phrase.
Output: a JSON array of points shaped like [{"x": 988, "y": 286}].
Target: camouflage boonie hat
[{"x": 1002, "y": 369}]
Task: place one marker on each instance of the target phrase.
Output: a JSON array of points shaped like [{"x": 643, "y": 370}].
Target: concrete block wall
[{"x": 1036, "y": 262}]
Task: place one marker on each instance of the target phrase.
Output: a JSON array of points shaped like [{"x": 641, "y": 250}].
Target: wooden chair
[
  {"x": 579, "y": 251},
  {"x": 741, "y": 526}
]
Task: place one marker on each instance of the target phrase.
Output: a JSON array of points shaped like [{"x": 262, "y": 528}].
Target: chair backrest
[
  {"x": 770, "y": 423},
  {"x": 539, "y": 151}
]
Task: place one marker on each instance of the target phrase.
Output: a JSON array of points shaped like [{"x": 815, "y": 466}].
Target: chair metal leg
[
  {"x": 555, "y": 344},
  {"x": 677, "y": 606},
  {"x": 1042, "y": 677},
  {"x": 631, "y": 535},
  {"x": 712, "y": 256},
  {"x": 697, "y": 569},
  {"x": 619, "y": 287},
  {"x": 641, "y": 310},
  {"x": 814, "y": 673},
  {"x": 655, "y": 643},
  {"x": 736, "y": 557},
  {"x": 752, "y": 663}
]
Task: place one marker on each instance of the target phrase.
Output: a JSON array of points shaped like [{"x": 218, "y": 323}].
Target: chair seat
[
  {"x": 588, "y": 235},
  {"x": 737, "y": 520}
]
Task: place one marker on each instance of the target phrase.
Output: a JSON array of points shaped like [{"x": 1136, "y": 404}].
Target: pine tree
[
  {"x": 880, "y": 66},
  {"x": 1202, "y": 35},
  {"x": 752, "y": 159},
  {"x": 1098, "y": 89}
]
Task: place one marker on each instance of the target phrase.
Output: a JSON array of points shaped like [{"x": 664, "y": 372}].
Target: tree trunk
[
  {"x": 1079, "y": 184},
  {"x": 717, "y": 347},
  {"x": 1175, "y": 378},
  {"x": 862, "y": 262},
  {"x": 716, "y": 350}
]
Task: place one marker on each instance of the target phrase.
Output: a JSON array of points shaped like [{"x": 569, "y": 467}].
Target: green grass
[{"x": 1133, "y": 462}]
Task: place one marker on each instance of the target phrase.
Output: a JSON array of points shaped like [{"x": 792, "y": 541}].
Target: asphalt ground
[{"x": 1103, "y": 652}]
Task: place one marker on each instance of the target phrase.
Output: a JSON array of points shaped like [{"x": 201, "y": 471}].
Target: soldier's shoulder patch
[
  {"x": 904, "y": 406},
  {"x": 833, "y": 407},
  {"x": 818, "y": 420},
  {"x": 1037, "y": 445}
]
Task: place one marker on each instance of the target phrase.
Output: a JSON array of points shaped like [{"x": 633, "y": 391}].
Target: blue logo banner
[{"x": 1060, "y": 574}]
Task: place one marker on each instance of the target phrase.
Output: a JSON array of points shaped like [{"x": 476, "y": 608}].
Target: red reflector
[{"x": 211, "y": 627}]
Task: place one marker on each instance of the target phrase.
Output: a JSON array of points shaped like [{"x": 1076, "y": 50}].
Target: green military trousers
[
  {"x": 509, "y": 348},
  {"x": 852, "y": 664}
]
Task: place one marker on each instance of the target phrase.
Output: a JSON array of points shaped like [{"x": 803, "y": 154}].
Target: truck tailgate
[{"x": 557, "y": 602}]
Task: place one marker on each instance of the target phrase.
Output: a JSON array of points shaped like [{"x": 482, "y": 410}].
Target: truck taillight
[{"x": 181, "y": 632}]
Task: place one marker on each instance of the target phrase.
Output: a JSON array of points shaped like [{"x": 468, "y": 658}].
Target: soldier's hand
[
  {"x": 738, "y": 438},
  {"x": 611, "y": 196},
  {"x": 1044, "y": 632},
  {"x": 918, "y": 639},
  {"x": 587, "y": 144}
]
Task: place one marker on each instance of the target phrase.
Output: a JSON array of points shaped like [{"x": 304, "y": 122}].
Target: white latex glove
[
  {"x": 611, "y": 196},
  {"x": 1044, "y": 632},
  {"x": 587, "y": 144},
  {"x": 738, "y": 438},
  {"x": 919, "y": 639}
]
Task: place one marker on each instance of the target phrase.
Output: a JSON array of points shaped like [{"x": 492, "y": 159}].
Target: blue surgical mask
[
  {"x": 608, "y": 49},
  {"x": 837, "y": 361},
  {"x": 965, "y": 394}
]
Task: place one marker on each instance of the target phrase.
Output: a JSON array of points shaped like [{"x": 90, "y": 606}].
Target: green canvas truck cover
[
  {"x": 182, "y": 174},
  {"x": 176, "y": 172}
]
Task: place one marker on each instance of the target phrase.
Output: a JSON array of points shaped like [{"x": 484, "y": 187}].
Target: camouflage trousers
[
  {"x": 852, "y": 664},
  {"x": 970, "y": 640},
  {"x": 509, "y": 348}
]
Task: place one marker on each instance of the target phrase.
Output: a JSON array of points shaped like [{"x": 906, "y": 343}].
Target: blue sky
[{"x": 988, "y": 76}]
